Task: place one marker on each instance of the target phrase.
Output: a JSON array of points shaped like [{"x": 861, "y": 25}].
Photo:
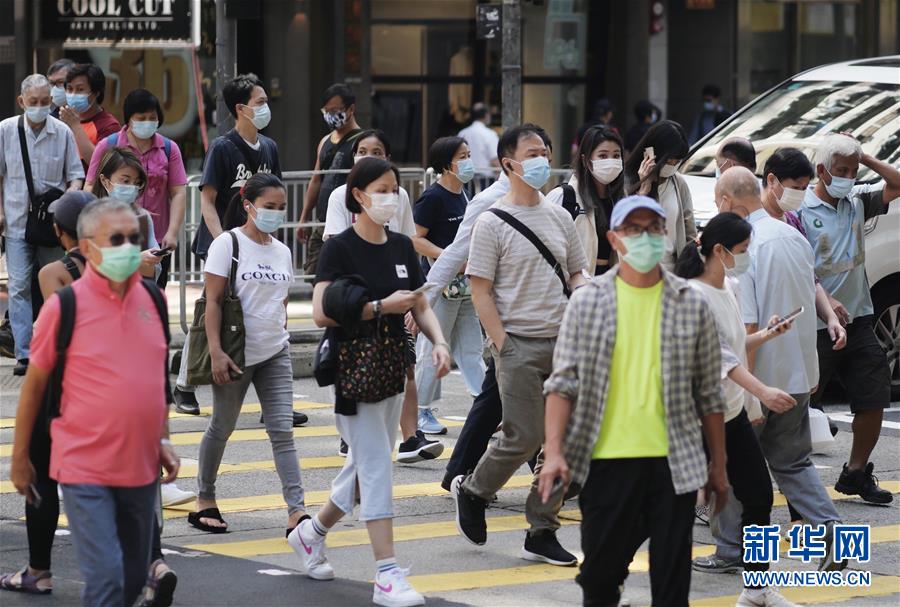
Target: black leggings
[{"x": 41, "y": 523}]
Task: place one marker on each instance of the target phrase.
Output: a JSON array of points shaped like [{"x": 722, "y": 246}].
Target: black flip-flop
[{"x": 213, "y": 513}]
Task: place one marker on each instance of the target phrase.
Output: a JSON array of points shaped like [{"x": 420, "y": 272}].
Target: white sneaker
[
  {"x": 763, "y": 597},
  {"x": 172, "y": 495},
  {"x": 310, "y": 547},
  {"x": 392, "y": 589}
]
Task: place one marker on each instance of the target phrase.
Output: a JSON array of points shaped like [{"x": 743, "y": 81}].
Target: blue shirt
[
  {"x": 780, "y": 280},
  {"x": 836, "y": 236}
]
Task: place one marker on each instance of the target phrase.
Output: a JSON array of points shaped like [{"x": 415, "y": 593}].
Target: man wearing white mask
[
  {"x": 524, "y": 261},
  {"x": 56, "y": 74},
  {"x": 52, "y": 166},
  {"x": 833, "y": 215}
]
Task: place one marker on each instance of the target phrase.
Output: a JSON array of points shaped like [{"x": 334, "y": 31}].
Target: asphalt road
[{"x": 253, "y": 565}]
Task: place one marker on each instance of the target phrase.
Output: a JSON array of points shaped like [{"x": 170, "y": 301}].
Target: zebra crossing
[{"x": 443, "y": 565}]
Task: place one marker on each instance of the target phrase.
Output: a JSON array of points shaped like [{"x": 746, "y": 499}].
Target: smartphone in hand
[
  {"x": 163, "y": 252},
  {"x": 786, "y": 319}
]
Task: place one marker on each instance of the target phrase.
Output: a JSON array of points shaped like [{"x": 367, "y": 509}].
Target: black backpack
[
  {"x": 66, "y": 295},
  {"x": 570, "y": 202}
]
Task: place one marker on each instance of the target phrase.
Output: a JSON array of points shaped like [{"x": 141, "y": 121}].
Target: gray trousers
[
  {"x": 787, "y": 445},
  {"x": 273, "y": 381},
  {"x": 522, "y": 366}
]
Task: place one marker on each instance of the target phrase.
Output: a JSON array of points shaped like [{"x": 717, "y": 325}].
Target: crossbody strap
[
  {"x": 235, "y": 257},
  {"x": 23, "y": 145},
  {"x": 525, "y": 231}
]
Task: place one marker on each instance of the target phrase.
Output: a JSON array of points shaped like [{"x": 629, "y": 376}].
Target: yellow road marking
[
  {"x": 306, "y": 463},
  {"x": 275, "y": 501},
  {"x": 360, "y": 537},
  {"x": 205, "y": 411},
  {"x": 250, "y": 434}
]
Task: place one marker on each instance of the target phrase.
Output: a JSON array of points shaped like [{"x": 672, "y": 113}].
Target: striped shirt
[
  {"x": 691, "y": 367},
  {"x": 54, "y": 164},
  {"x": 528, "y": 293}
]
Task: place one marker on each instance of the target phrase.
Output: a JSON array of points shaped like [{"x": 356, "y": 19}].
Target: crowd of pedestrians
[{"x": 626, "y": 350}]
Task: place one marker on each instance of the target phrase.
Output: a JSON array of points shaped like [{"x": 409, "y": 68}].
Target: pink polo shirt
[
  {"x": 162, "y": 174},
  {"x": 113, "y": 405}
]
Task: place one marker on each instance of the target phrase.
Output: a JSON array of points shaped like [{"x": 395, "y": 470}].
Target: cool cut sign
[{"x": 114, "y": 20}]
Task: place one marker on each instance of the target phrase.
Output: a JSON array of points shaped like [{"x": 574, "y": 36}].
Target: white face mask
[
  {"x": 791, "y": 199},
  {"x": 668, "y": 170},
  {"x": 605, "y": 170},
  {"x": 383, "y": 206}
]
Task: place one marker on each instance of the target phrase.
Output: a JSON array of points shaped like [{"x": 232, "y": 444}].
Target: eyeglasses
[
  {"x": 117, "y": 240},
  {"x": 656, "y": 229}
]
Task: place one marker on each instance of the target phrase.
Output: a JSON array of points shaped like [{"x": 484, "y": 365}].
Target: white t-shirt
[
  {"x": 264, "y": 276},
  {"x": 482, "y": 142},
  {"x": 732, "y": 333},
  {"x": 339, "y": 218}
]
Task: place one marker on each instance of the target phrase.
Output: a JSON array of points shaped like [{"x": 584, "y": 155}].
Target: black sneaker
[
  {"x": 417, "y": 448},
  {"x": 185, "y": 402},
  {"x": 21, "y": 367},
  {"x": 543, "y": 547},
  {"x": 864, "y": 484},
  {"x": 343, "y": 449},
  {"x": 469, "y": 513},
  {"x": 299, "y": 419}
]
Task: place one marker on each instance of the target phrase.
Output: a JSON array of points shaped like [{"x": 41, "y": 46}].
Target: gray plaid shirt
[{"x": 691, "y": 368}]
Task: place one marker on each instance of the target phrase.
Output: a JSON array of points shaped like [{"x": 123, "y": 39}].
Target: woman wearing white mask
[
  {"x": 372, "y": 143},
  {"x": 438, "y": 214},
  {"x": 365, "y": 284},
  {"x": 165, "y": 194},
  {"x": 597, "y": 183},
  {"x": 121, "y": 176},
  {"x": 711, "y": 267},
  {"x": 265, "y": 272},
  {"x": 652, "y": 170}
]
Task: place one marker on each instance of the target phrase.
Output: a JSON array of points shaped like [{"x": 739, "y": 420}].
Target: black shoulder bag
[
  {"x": 525, "y": 231},
  {"x": 39, "y": 225}
]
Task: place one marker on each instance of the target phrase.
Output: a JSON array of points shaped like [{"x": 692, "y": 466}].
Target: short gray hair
[
  {"x": 836, "y": 145},
  {"x": 90, "y": 217},
  {"x": 34, "y": 81}
]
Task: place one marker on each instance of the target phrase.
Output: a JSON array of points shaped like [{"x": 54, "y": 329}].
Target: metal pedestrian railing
[{"x": 189, "y": 267}]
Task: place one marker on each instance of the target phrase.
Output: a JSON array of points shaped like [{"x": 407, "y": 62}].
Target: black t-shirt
[
  {"x": 334, "y": 156},
  {"x": 229, "y": 163},
  {"x": 441, "y": 211},
  {"x": 386, "y": 268},
  {"x": 604, "y": 250}
]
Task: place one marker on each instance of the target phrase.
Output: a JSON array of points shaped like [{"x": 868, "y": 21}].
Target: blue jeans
[
  {"x": 22, "y": 260},
  {"x": 112, "y": 528},
  {"x": 461, "y": 328}
]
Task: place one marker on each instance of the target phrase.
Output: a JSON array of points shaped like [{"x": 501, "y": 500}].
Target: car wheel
[{"x": 886, "y": 301}]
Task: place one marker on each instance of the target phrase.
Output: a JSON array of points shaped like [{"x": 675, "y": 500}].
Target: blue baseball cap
[
  {"x": 68, "y": 207},
  {"x": 627, "y": 206}
]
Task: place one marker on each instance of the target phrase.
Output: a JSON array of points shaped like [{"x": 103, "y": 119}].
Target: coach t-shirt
[{"x": 264, "y": 276}]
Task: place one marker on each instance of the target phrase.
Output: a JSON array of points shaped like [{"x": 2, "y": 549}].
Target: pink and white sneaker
[
  {"x": 310, "y": 547},
  {"x": 392, "y": 589}
]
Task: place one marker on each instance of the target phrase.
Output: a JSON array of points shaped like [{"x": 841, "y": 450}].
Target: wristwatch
[{"x": 376, "y": 308}]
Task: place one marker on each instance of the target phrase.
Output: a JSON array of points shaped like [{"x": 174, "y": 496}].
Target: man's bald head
[
  {"x": 736, "y": 152},
  {"x": 738, "y": 190}
]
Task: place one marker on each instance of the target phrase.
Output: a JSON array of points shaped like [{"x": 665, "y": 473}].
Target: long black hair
[
  {"x": 727, "y": 229},
  {"x": 615, "y": 190},
  {"x": 668, "y": 140},
  {"x": 235, "y": 213}
]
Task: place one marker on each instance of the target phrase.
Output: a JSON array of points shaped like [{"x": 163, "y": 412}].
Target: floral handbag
[
  {"x": 372, "y": 368},
  {"x": 459, "y": 288}
]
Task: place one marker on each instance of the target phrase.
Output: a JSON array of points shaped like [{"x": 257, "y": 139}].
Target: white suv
[{"x": 860, "y": 96}]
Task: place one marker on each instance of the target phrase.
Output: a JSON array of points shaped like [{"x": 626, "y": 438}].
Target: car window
[{"x": 800, "y": 113}]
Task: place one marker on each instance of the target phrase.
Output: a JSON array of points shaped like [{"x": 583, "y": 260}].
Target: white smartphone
[{"x": 649, "y": 153}]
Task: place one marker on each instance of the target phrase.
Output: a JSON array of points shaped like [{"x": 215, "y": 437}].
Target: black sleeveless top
[
  {"x": 71, "y": 266},
  {"x": 334, "y": 156}
]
